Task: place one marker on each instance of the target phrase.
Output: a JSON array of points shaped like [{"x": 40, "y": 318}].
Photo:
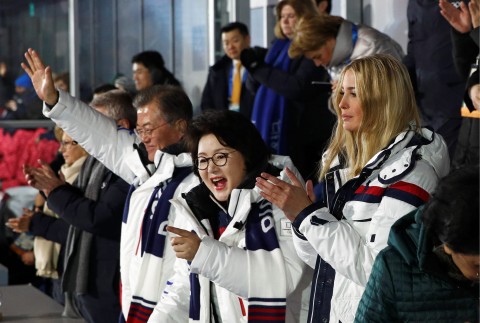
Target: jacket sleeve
[
  {"x": 207, "y": 101},
  {"x": 341, "y": 245},
  {"x": 377, "y": 303},
  {"x": 291, "y": 84},
  {"x": 49, "y": 227},
  {"x": 102, "y": 217},
  {"x": 96, "y": 133},
  {"x": 227, "y": 265},
  {"x": 174, "y": 303}
]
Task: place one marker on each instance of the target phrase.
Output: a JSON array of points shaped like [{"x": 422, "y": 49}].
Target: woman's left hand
[
  {"x": 290, "y": 198},
  {"x": 186, "y": 244}
]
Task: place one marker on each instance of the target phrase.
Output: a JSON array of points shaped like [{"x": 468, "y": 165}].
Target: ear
[
  {"x": 322, "y": 7},
  {"x": 248, "y": 40},
  {"x": 447, "y": 250},
  {"x": 181, "y": 126},
  {"x": 124, "y": 123}
]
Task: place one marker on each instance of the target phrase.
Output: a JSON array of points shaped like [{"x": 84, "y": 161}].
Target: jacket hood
[{"x": 407, "y": 237}]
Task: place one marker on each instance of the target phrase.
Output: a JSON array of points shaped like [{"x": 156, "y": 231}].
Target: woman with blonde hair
[{"x": 380, "y": 165}]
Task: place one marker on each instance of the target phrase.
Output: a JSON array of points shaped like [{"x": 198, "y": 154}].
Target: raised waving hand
[{"x": 41, "y": 77}]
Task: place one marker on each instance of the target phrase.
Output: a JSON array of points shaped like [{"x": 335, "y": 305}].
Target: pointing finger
[{"x": 179, "y": 232}]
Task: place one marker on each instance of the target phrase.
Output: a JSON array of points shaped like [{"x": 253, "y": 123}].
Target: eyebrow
[{"x": 145, "y": 124}]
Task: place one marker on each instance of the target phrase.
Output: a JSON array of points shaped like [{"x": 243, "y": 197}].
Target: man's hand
[
  {"x": 42, "y": 178},
  {"x": 186, "y": 244},
  {"x": 290, "y": 198},
  {"x": 28, "y": 258},
  {"x": 41, "y": 77},
  {"x": 458, "y": 18},
  {"x": 21, "y": 224}
]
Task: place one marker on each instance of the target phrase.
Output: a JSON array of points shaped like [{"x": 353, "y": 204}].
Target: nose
[
  {"x": 343, "y": 104},
  {"x": 317, "y": 62},
  {"x": 211, "y": 168}
]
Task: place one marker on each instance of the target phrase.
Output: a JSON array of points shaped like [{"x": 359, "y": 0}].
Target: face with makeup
[
  {"x": 224, "y": 167},
  {"x": 350, "y": 105}
]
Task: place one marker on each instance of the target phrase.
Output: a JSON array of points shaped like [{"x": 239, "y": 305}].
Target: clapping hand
[
  {"x": 22, "y": 223},
  {"x": 43, "y": 178},
  {"x": 290, "y": 198}
]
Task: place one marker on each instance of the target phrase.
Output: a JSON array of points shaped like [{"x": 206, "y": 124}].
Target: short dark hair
[
  {"x": 452, "y": 214},
  {"x": 172, "y": 102},
  {"x": 119, "y": 105},
  {"x": 150, "y": 59},
  {"x": 240, "y": 26},
  {"x": 232, "y": 129},
  {"x": 104, "y": 88}
]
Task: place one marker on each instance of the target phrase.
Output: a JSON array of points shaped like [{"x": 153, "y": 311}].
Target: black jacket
[
  {"x": 309, "y": 121},
  {"x": 102, "y": 218},
  {"x": 215, "y": 92}
]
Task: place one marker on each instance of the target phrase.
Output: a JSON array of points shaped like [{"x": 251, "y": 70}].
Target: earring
[{"x": 477, "y": 274}]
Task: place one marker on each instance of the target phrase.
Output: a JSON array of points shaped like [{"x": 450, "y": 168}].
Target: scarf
[
  {"x": 264, "y": 304},
  {"x": 46, "y": 251},
  {"x": 151, "y": 241},
  {"x": 79, "y": 242},
  {"x": 269, "y": 109}
]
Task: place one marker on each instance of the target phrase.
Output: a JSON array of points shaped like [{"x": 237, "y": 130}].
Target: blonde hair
[
  {"x": 388, "y": 104},
  {"x": 58, "y": 132},
  {"x": 302, "y": 8},
  {"x": 313, "y": 32}
]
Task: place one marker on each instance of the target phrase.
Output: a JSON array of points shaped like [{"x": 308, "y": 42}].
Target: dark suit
[
  {"x": 103, "y": 219},
  {"x": 215, "y": 94}
]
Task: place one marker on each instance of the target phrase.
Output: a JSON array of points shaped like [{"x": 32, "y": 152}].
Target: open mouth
[{"x": 219, "y": 182}]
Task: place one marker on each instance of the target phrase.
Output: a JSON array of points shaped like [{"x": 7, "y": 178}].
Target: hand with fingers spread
[
  {"x": 21, "y": 224},
  {"x": 290, "y": 198},
  {"x": 41, "y": 77},
  {"x": 43, "y": 178},
  {"x": 458, "y": 18},
  {"x": 186, "y": 244}
]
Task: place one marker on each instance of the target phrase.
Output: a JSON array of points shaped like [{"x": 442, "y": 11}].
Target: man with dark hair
[
  {"x": 152, "y": 159},
  {"x": 226, "y": 78},
  {"x": 149, "y": 69}
]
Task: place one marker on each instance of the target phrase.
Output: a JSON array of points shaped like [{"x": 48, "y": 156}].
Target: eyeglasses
[
  {"x": 140, "y": 132},
  {"x": 66, "y": 144},
  {"x": 219, "y": 159}
]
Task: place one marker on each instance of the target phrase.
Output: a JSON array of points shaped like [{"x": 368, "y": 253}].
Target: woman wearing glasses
[
  {"x": 51, "y": 232},
  {"x": 235, "y": 255}
]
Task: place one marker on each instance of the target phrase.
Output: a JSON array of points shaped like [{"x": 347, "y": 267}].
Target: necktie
[{"x": 236, "y": 86}]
